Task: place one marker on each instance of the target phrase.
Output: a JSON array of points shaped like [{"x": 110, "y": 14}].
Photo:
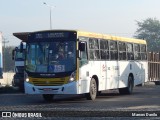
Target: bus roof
[
  {"x": 110, "y": 37},
  {"x": 24, "y": 36}
]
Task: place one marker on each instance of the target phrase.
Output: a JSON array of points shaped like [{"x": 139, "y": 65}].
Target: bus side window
[
  {"x": 113, "y": 50},
  {"x": 94, "y": 49},
  {"x": 104, "y": 50},
  {"x": 122, "y": 51},
  {"x": 130, "y": 55},
  {"x": 137, "y": 54},
  {"x": 83, "y": 55},
  {"x": 143, "y": 52}
]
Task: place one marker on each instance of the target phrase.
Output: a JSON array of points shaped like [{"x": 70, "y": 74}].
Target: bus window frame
[
  {"x": 137, "y": 52},
  {"x": 130, "y": 54},
  {"x": 143, "y": 53},
  {"x": 85, "y": 40},
  {"x": 94, "y": 50},
  {"x": 124, "y": 52},
  {"x": 104, "y": 50},
  {"x": 115, "y": 50}
]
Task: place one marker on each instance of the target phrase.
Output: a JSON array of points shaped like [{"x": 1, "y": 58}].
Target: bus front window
[{"x": 51, "y": 57}]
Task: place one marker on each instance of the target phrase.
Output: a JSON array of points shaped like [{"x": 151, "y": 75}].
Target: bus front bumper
[{"x": 70, "y": 88}]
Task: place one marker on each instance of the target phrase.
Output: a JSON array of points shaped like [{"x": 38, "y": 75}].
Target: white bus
[{"x": 77, "y": 62}]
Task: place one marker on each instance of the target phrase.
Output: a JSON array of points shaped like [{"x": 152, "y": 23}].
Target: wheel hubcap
[{"x": 93, "y": 88}]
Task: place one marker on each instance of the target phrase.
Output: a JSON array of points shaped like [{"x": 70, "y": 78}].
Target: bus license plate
[{"x": 47, "y": 89}]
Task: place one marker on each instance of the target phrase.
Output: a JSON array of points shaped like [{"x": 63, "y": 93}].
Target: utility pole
[
  {"x": 50, "y": 13},
  {"x": 4, "y": 41}
]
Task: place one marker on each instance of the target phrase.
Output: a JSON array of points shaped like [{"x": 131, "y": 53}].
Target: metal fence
[{"x": 154, "y": 66}]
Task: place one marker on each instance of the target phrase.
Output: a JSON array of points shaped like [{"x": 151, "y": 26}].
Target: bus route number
[{"x": 59, "y": 68}]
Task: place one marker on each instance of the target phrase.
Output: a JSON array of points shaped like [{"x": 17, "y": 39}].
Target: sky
[{"x": 113, "y": 17}]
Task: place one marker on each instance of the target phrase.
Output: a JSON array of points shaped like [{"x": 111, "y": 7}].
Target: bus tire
[
  {"x": 129, "y": 88},
  {"x": 48, "y": 97},
  {"x": 92, "y": 90}
]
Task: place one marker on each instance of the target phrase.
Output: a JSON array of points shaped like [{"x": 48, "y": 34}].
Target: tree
[{"x": 149, "y": 30}]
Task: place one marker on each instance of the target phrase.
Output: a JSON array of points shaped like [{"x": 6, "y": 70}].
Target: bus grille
[{"x": 48, "y": 81}]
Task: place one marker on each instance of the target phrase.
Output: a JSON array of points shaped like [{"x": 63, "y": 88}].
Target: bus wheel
[
  {"x": 48, "y": 97},
  {"x": 130, "y": 85},
  {"x": 92, "y": 90},
  {"x": 129, "y": 88}
]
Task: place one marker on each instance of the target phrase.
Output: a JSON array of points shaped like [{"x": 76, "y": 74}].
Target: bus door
[{"x": 83, "y": 68}]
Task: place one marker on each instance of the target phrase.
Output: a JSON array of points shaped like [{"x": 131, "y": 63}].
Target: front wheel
[
  {"x": 48, "y": 97},
  {"x": 92, "y": 91}
]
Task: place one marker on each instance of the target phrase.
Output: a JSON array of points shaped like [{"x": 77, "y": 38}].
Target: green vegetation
[{"x": 149, "y": 30}]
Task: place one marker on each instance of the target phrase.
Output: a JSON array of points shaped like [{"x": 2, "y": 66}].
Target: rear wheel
[
  {"x": 48, "y": 97},
  {"x": 129, "y": 88},
  {"x": 92, "y": 91}
]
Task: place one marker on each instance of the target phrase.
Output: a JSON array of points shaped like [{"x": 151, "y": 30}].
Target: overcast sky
[{"x": 115, "y": 17}]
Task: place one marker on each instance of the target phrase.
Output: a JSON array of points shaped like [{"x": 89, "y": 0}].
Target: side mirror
[
  {"x": 82, "y": 46},
  {"x": 13, "y": 54},
  {"x": 21, "y": 47}
]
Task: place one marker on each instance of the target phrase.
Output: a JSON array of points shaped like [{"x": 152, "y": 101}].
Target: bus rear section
[{"x": 111, "y": 63}]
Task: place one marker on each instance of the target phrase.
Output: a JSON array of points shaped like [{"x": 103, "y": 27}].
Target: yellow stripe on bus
[{"x": 109, "y": 37}]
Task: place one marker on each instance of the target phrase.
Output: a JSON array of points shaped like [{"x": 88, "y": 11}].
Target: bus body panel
[
  {"x": 112, "y": 74},
  {"x": 84, "y": 79},
  {"x": 124, "y": 70}
]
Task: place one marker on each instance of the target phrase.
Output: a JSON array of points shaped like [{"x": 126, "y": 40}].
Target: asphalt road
[{"x": 144, "y": 101}]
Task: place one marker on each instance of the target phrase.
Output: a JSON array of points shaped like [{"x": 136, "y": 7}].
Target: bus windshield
[{"x": 51, "y": 57}]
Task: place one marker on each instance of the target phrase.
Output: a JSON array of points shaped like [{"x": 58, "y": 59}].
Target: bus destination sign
[{"x": 51, "y": 35}]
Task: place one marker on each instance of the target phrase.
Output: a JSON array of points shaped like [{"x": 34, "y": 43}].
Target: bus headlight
[
  {"x": 27, "y": 79},
  {"x": 72, "y": 77}
]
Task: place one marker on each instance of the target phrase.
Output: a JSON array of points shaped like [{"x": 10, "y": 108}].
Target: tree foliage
[{"x": 149, "y": 30}]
